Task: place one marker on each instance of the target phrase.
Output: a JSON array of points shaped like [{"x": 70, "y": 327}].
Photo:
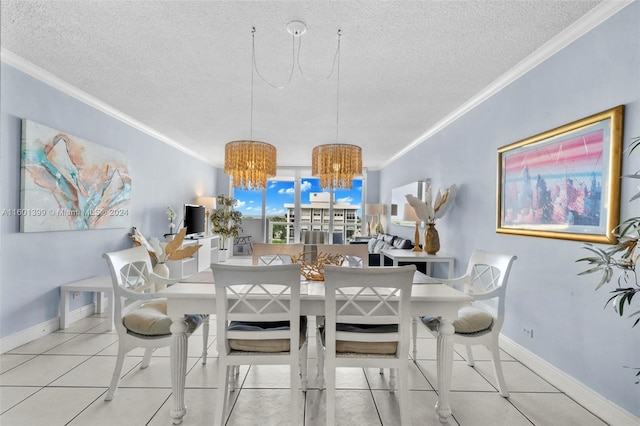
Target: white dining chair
[
  {"x": 258, "y": 323},
  {"x": 356, "y": 255},
  {"x": 274, "y": 254},
  {"x": 480, "y": 324},
  {"x": 367, "y": 325},
  {"x": 140, "y": 315}
]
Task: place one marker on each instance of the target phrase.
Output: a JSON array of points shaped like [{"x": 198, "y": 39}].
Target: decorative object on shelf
[
  {"x": 622, "y": 257},
  {"x": 226, "y": 221},
  {"x": 409, "y": 214},
  {"x": 376, "y": 210},
  {"x": 313, "y": 268},
  {"x": 430, "y": 210},
  {"x": 209, "y": 204},
  {"x": 564, "y": 183},
  {"x": 161, "y": 252},
  {"x": 171, "y": 215}
]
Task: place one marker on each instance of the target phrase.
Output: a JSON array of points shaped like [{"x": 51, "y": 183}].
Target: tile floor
[{"x": 62, "y": 378}]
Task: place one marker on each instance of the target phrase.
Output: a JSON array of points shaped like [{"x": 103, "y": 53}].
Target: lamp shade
[
  {"x": 250, "y": 163},
  {"x": 375, "y": 209},
  {"x": 208, "y": 202},
  {"x": 336, "y": 164},
  {"x": 410, "y": 214}
]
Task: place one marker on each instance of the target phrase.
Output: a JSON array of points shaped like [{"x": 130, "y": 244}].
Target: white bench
[{"x": 100, "y": 285}]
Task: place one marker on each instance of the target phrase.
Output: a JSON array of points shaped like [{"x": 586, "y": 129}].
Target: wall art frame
[
  {"x": 564, "y": 183},
  {"x": 71, "y": 184}
]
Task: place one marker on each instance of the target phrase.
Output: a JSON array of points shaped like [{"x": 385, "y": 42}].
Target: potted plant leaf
[
  {"x": 620, "y": 260},
  {"x": 226, "y": 222}
]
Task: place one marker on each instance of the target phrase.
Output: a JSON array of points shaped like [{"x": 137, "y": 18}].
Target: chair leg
[
  {"x": 147, "y": 357},
  {"x": 293, "y": 384},
  {"x": 232, "y": 377},
  {"x": 320, "y": 353},
  {"x": 302, "y": 364},
  {"x": 414, "y": 336},
  {"x": 331, "y": 396},
  {"x": 205, "y": 339},
  {"x": 405, "y": 402},
  {"x": 222, "y": 397},
  {"x": 470, "y": 361},
  {"x": 392, "y": 380},
  {"x": 117, "y": 371},
  {"x": 497, "y": 367}
]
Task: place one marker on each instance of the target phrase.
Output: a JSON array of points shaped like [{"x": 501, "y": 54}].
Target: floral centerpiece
[
  {"x": 225, "y": 220},
  {"x": 430, "y": 210}
]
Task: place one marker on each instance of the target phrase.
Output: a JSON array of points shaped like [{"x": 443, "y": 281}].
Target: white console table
[
  {"x": 401, "y": 255},
  {"x": 201, "y": 260}
]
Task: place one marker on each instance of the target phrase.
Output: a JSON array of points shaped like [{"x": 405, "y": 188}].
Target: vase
[
  {"x": 172, "y": 226},
  {"x": 162, "y": 270},
  {"x": 223, "y": 254},
  {"x": 431, "y": 239}
]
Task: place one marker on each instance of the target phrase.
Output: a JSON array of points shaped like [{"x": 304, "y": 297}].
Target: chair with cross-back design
[
  {"x": 274, "y": 254},
  {"x": 480, "y": 324},
  {"x": 258, "y": 323},
  {"x": 367, "y": 325},
  {"x": 355, "y": 255},
  {"x": 140, "y": 315}
]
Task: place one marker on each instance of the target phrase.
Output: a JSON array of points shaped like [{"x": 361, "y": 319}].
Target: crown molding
[
  {"x": 588, "y": 22},
  {"x": 35, "y": 71}
]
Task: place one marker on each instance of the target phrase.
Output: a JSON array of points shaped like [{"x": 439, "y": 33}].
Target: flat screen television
[{"x": 194, "y": 219}]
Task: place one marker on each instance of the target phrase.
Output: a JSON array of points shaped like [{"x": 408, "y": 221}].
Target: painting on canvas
[{"x": 69, "y": 183}]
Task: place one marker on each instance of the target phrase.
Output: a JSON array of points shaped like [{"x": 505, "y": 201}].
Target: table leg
[
  {"x": 64, "y": 309},
  {"x": 444, "y": 362},
  {"x": 179, "y": 344}
]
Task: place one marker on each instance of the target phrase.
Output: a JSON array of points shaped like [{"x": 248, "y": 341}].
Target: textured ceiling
[{"x": 183, "y": 68}]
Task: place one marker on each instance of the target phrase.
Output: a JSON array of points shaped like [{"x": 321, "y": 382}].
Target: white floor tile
[
  {"x": 423, "y": 410},
  {"x": 553, "y": 409},
  {"x": 84, "y": 344},
  {"x": 97, "y": 371},
  {"x": 463, "y": 377},
  {"x": 51, "y": 406},
  {"x": 265, "y": 407},
  {"x": 12, "y": 395},
  {"x": 9, "y": 361},
  {"x": 486, "y": 409},
  {"x": 41, "y": 370}
]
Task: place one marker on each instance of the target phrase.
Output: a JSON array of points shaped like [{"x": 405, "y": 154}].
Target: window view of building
[{"x": 316, "y": 205}]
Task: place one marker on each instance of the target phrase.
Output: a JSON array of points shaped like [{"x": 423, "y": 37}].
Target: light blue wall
[
  {"x": 34, "y": 265},
  {"x": 572, "y": 331}
]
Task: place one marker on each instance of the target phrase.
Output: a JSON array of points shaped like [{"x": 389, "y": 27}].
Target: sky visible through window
[{"x": 280, "y": 193}]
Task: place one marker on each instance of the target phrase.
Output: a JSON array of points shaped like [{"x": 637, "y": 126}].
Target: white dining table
[{"x": 197, "y": 295}]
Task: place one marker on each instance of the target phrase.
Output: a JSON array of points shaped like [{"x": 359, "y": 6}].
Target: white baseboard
[
  {"x": 32, "y": 333},
  {"x": 596, "y": 403}
]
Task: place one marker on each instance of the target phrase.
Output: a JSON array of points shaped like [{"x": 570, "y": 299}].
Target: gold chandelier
[
  {"x": 336, "y": 164},
  {"x": 250, "y": 163}
]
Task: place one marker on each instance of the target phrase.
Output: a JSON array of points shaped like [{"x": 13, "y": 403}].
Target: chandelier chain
[{"x": 295, "y": 61}]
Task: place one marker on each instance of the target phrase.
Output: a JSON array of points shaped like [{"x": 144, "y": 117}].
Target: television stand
[{"x": 200, "y": 261}]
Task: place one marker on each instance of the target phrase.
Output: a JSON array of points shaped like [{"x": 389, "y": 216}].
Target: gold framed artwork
[{"x": 564, "y": 183}]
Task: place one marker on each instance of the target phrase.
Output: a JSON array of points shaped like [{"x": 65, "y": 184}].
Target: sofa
[{"x": 385, "y": 241}]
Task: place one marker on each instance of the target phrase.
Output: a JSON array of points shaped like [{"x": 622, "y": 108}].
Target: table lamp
[
  {"x": 376, "y": 210},
  {"x": 411, "y": 216},
  {"x": 209, "y": 204}
]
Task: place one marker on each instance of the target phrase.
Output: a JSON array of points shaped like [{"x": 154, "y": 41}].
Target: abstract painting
[
  {"x": 564, "y": 183},
  {"x": 69, "y": 183}
]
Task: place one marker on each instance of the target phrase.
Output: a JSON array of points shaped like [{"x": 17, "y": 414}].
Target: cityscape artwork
[{"x": 563, "y": 183}]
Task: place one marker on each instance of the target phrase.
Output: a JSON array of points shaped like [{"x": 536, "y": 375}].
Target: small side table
[{"x": 99, "y": 284}]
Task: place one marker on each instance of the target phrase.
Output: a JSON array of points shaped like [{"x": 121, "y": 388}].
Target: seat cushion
[
  {"x": 151, "y": 320},
  {"x": 470, "y": 321},
  {"x": 264, "y": 345},
  {"x": 375, "y": 348}
]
